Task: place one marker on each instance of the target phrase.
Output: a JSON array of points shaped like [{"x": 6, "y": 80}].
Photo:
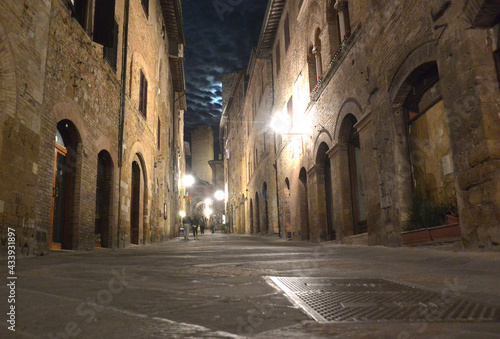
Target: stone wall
[
  {"x": 362, "y": 93},
  {"x": 202, "y": 151},
  {"x": 57, "y": 75}
]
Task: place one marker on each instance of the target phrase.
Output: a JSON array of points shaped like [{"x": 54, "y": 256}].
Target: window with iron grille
[
  {"x": 145, "y": 6},
  {"x": 143, "y": 95},
  {"x": 110, "y": 53}
]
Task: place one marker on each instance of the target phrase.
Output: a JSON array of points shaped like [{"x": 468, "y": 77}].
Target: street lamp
[
  {"x": 208, "y": 201},
  {"x": 208, "y": 211},
  {"x": 281, "y": 123},
  {"x": 219, "y": 195},
  {"x": 188, "y": 180}
]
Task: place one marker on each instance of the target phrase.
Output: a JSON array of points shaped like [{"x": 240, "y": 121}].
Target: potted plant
[
  {"x": 223, "y": 228},
  {"x": 427, "y": 222},
  {"x": 452, "y": 212}
]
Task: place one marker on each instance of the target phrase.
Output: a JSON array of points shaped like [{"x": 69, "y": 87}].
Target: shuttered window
[
  {"x": 287, "y": 32},
  {"x": 143, "y": 95},
  {"x": 110, "y": 53},
  {"x": 81, "y": 10},
  {"x": 145, "y": 6},
  {"x": 104, "y": 20}
]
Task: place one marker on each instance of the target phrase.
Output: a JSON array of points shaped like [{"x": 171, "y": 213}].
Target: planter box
[
  {"x": 445, "y": 231},
  {"x": 449, "y": 231},
  {"x": 416, "y": 236}
]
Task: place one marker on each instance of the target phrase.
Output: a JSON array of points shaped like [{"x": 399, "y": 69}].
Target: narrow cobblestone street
[{"x": 218, "y": 287}]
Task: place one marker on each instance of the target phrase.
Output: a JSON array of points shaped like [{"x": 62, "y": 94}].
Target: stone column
[
  {"x": 341, "y": 6},
  {"x": 317, "y": 57},
  {"x": 364, "y": 127},
  {"x": 471, "y": 101},
  {"x": 317, "y": 215},
  {"x": 338, "y": 220}
]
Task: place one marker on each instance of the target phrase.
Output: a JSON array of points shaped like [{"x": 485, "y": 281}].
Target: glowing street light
[
  {"x": 188, "y": 180},
  {"x": 208, "y": 201},
  {"x": 281, "y": 123},
  {"x": 208, "y": 211},
  {"x": 182, "y": 214},
  {"x": 219, "y": 195}
]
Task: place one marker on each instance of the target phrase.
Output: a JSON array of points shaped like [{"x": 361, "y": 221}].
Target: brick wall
[
  {"x": 62, "y": 78},
  {"x": 367, "y": 82}
]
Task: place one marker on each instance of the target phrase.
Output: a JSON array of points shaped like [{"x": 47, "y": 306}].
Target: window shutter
[
  {"x": 110, "y": 53},
  {"x": 104, "y": 20}
]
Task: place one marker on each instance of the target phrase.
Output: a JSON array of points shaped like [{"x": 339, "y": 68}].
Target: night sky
[{"x": 219, "y": 35}]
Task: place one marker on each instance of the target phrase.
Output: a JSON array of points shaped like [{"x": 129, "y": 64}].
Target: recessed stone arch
[
  {"x": 424, "y": 157},
  {"x": 70, "y": 111},
  {"x": 66, "y": 189},
  {"x": 324, "y": 136},
  {"x": 422, "y": 53},
  {"x": 350, "y": 106},
  {"x": 314, "y": 20}
]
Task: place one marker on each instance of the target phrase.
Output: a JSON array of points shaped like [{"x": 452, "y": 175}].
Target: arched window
[
  {"x": 311, "y": 67},
  {"x": 314, "y": 63}
]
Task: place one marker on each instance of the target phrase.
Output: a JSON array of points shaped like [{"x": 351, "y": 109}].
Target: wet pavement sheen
[{"x": 219, "y": 287}]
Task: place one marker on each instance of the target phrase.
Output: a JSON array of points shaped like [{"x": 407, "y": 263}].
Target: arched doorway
[
  {"x": 257, "y": 213},
  {"x": 349, "y": 136},
  {"x": 242, "y": 225},
  {"x": 286, "y": 210},
  {"x": 252, "y": 226},
  {"x": 324, "y": 174},
  {"x": 103, "y": 199},
  {"x": 265, "y": 224},
  {"x": 63, "y": 189},
  {"x": 139, "y": 223},
  {"x": 428, "y": 144},
  {"x": 304, "y": 205},
  {"x": 135, "y": 206}
]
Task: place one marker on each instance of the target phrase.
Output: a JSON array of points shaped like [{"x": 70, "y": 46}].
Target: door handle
[{"x": 55, "y": 192}]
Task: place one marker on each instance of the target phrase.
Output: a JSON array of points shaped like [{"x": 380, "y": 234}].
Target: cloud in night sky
[{"x": 219, "y": 35}]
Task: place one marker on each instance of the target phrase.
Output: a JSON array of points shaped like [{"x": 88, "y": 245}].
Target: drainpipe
[
  {"x": 275, "y": 165},
  {"x": 122, "y": 115}
]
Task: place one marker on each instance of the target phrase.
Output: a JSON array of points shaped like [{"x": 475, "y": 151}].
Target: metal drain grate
[{"x": 329, "y": 300}]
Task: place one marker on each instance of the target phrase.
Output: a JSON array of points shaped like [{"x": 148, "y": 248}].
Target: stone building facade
[
  {"x": 373, "y": 105},
  {"x": 91, "y": 122},
  {"x": 202, "y": 151}
]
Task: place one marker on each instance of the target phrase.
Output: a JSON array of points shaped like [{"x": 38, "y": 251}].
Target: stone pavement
[{"x": 217, "y": 287}]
